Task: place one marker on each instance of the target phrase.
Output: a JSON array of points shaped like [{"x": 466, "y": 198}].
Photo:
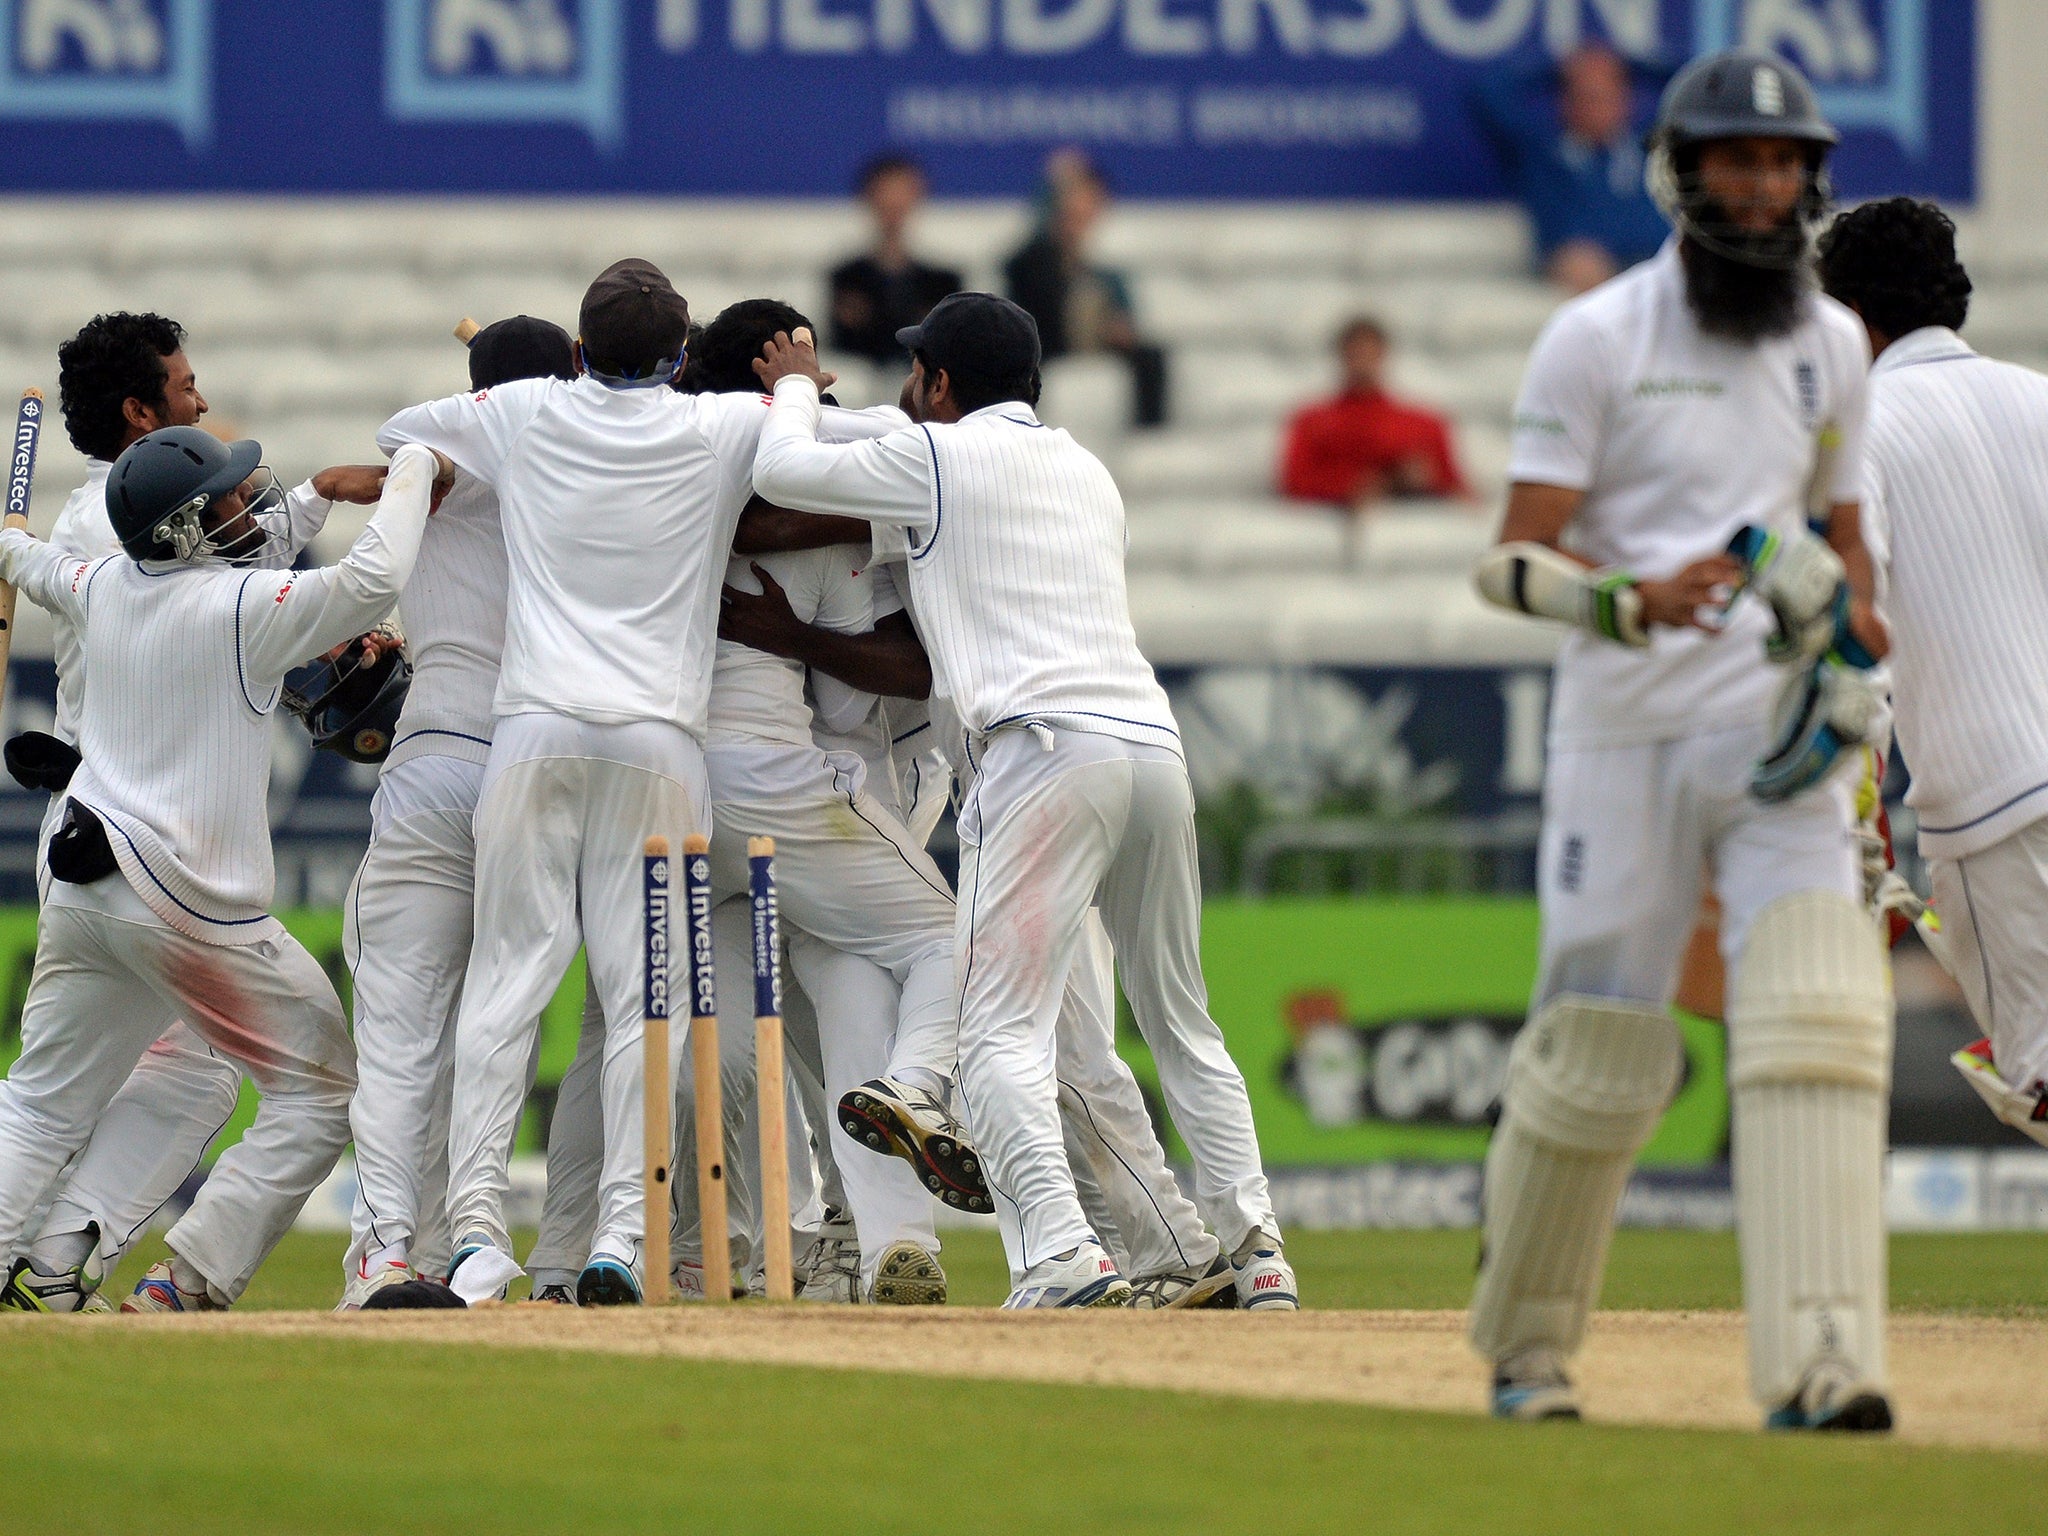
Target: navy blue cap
[{"x": 976, "y": 335}]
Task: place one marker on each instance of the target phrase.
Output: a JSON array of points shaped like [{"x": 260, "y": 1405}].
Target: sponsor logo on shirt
[
  {"x": 1680, "y": 389},
  {"x": 1807, "y": 378},
  {"x": 284, "y": 591},
  {"x": 1549, "y": 426}
]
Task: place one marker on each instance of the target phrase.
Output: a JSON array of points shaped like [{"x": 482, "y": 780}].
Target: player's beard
[{"x": 1740, "y": 302}]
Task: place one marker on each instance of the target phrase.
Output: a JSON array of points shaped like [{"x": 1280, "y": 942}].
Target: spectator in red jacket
[{"x": 1364, "y": 445}]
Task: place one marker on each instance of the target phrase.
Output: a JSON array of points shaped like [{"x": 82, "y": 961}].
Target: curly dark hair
[
  {"x": 735, "y": 338},
  {"x": 1894, "y": 263},
  {"x": 114, "y": 359}
]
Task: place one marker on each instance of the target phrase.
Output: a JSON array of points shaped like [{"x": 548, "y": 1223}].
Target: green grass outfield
[{"x": 114, "y": 1431}]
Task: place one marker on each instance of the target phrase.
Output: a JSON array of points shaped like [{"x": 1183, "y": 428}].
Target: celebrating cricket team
[{"x": 649, "y": 581}]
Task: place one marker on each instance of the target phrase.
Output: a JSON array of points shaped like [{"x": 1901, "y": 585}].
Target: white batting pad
[
  {"x": 1810, "y": 1047},
  {"x": 1587, "y": 1082}
]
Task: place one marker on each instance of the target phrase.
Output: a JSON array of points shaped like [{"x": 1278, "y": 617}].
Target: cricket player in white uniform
[
  {"x": 407, "y": 924},
  {"x": 1958, "y": 512},
  {"x": 1016, "y": 571},
  {"x": 619, "y": 498},
  {"x": 162, "y": 870},
  {"x": 1691, "y": 404},
  {"x": 123, "y": 376},
  {"x": 1129, "y": 1193}
]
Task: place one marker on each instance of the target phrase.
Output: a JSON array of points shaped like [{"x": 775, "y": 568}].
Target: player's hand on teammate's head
[
  {"x": 763, "y": 620},
  {"x": 1695, "y": 598},
  {"x": 358, "y": 483},
  {"x": 785, "y": 355}
]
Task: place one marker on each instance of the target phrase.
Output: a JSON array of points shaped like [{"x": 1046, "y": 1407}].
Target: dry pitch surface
[{"x": 1953, "y": 1375}]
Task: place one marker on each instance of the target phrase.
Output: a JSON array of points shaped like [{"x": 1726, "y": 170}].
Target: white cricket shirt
[
  {"x": 1016, "y": 559},
  {"x": 1678, "y": 439},
  {"x": 186, "y": 663},
  {"x": 1959, "y": 499},
  {"x": 83, "y": 528},
  {"x": 453, "y": 612},
  {"x": 756, "y": 697}
]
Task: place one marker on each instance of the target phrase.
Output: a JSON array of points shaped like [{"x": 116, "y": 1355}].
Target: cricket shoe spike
[
  {"x": 912, "y": 1123},
  {"x": 607, "y": 1281},
  {"x": 158, "y": 1292},
  {"x": 832, "y": 1266},
  {"x": 1833, "y": 1397},
  {"x": 1265, "y": 1280},
  {"x": 1187, "y": 1290},
  {"x": 1532, "y": 1386},
  {"x": 1084, "y": 1276},
  {"x": 361, "y": 1287},
  {"x": 908, "y": 1276},
  {"x": 31, "y": 1287}
]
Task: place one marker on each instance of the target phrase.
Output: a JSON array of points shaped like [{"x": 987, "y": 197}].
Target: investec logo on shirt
[{"x": 1679, "y": 389}]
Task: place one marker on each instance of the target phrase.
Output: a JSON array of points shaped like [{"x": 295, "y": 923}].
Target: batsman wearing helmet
[
  {"x": 1687, "y": 431},
  {"x": 161, "y": 875}
]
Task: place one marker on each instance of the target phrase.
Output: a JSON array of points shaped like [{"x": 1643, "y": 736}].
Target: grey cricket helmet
[
  {"x": 161, "y": 486},
  {"x": 1738, "y": 93}
]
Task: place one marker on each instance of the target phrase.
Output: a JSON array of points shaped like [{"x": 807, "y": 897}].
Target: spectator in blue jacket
[{"x": 1570, "y": 144}]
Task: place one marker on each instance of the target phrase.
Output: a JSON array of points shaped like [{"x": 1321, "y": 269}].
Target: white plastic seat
[
  {"x": 1435, "y": 537},
  {"x": 1091, "y": 397},
  {"x": 1171, "y": 462}
]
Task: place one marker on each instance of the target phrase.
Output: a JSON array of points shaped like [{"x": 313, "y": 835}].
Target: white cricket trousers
[
  {"x": 1119, "y": 1166},
  {"x": 1994, "y": 909},
  {"x": 559, "y": 844},
  {"x": 147, "y": 1141},
  {"x": 1630, "y": 834},
  {"x": 104, "y": 988},
  {"x": 406, "y": 933},
  {"x": 849, "y": 873},
  {"x": 145, "y": 1145},
  {"x": 1057, "y": 822}
]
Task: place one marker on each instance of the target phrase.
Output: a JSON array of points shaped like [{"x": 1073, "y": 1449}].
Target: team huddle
[{"x": 639, "y": 598}]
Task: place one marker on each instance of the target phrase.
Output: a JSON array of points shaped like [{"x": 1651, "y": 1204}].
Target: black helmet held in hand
[
  {"x": 178, "y": 493},
  {"x": 350, "y": 707},
  {"x": 1739, "y": 93}
]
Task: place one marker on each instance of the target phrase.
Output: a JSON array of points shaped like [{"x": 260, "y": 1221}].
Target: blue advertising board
[{"x": 1179, "y": 98}]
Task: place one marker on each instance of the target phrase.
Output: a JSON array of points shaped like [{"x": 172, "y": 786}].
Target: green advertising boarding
[{"x": 1368, "y": 1029}]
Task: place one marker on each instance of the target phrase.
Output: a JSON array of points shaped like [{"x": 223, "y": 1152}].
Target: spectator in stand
[
  {"x": 882, "y": 291},
  {"x": 1364, "y": 445},
  {"x": 1570, "y": 141},
  {"x": 1081, "y": 307}
]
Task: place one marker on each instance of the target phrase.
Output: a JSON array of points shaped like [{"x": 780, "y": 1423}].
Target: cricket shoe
[
  {"x": 1532, "y": 1386},
  {"x": 1084, "y": 1276},
  {"x": 32, "y": 1288},
  {"x": 686, "y": 1279},
  {"x": 832, "y": 1267},
  {"x": 607, "y": 1282},
  {"x": 1834, "y": 1397},
  {"x": 912, "y": 1123},
  {"x": 158, "y": 1292},
  {"x": 1187, "y": 1290},
  {"x": 551, "y": 1296},
  {"x": 361, "y": 1287},
  {"x": 1265, "y": 1280},
  {"x": 481, "y": 1272},
  {"x": 908, "y": 1275}
]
